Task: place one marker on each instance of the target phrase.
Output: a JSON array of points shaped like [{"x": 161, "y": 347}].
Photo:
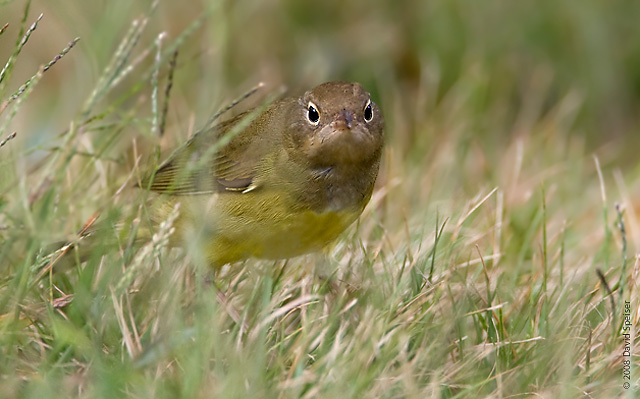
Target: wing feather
[{"x": 200, "y": 168}]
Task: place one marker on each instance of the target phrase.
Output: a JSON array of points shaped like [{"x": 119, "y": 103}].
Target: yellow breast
[{"x": 267, "y": 226}]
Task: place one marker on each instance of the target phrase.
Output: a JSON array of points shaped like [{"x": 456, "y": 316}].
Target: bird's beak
[{"x": 344, "y": 120}]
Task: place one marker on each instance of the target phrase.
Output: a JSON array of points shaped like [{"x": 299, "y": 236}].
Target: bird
[{"x": 274, "y": 182}]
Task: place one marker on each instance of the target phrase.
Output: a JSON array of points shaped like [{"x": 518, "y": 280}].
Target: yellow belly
[{"x": 232, "y": 228}]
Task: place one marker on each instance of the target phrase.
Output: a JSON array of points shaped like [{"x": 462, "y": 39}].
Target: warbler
[
  {"x": 273, "y": 182},
  {"x": 277, "y": 183}
]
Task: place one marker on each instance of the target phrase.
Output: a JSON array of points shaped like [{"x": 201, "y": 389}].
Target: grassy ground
[{"x": 494, "y": 259}]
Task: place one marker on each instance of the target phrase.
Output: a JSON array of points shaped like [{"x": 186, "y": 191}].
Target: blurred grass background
[{"x": 495, "y": 111}]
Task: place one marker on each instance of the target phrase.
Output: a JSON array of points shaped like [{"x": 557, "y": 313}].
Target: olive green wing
[{"x": 222, "y": 158}]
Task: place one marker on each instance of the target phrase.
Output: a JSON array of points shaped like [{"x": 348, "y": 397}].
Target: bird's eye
[
  {"x": 368, "y": 112},
  {"x": 312, "y": 114}
]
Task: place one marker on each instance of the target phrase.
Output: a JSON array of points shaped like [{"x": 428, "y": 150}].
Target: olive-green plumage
[{"x": 277, "y": 183}]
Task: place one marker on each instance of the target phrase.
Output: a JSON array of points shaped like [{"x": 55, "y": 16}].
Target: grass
[{"x": 493, "y": 260}]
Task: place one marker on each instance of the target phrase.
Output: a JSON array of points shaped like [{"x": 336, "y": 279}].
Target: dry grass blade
[
  {"x": 9, "y": 137},
  {"x": 34, "y": 78},
  {"x": 18, "y": 99},
  {"x": 167, "y": 92},
  {"x": 150, "y": 250},
  {"x": 155, "y": 128},
  {"x": 6, "y": 70},
  {"x": 61, "y": 54},
  {"x": 234, "y": 103},
  {"x": 113, "y": 72}
]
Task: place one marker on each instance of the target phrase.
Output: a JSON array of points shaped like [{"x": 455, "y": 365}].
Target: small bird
[
  {"x": 275, "y": 183},
  {"x": 271, "y": 183}
]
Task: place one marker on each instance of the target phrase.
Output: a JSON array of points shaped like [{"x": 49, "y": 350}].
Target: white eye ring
[
  {"x": 313, "y": 115},
  {"x": 368, "y": 111}
]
